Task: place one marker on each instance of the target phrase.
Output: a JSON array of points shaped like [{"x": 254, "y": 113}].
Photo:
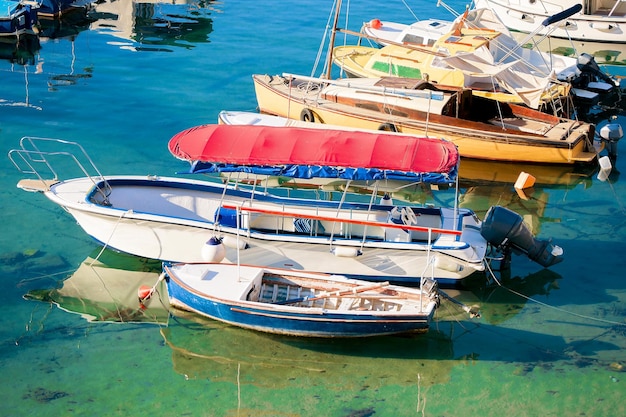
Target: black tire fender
[
  {"x": 388, "y": 127},
  {"x": 307, "y": 115}
]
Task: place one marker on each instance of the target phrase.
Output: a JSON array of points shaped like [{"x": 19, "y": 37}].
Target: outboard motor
[
  {"x": 611, "y": 133},
  {"x": 586, "y": 64},
  {"x": 505, "y": 228}
]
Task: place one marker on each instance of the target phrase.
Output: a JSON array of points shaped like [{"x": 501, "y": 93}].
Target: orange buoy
[
  {"x": 144, "y": 292},
  {"x": 376, "y": 24}
]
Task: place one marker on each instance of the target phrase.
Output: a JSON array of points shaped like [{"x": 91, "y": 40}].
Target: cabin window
[{"x": 413, "y": 39}]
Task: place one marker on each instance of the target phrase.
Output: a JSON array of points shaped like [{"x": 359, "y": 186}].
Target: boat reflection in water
[
  {"x": 500, "y": 301},
  {"x": 478, "y": 172},
  {"x": 66, "y": 25},
  {"x": 486, "y": 183},
  {"x": 155, "y": 24},
  {"x": 206, "y": 349},
  {"x": 21, "y": 53},
  {"x": 105, "y": 289}
]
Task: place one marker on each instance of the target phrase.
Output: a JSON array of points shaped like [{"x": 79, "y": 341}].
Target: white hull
[
  {"x": 504, "y": 49},
  {"x": 596, "y": 23},
  {"x": 174, "y": 221},
  {"x": 422, "y": 32}
]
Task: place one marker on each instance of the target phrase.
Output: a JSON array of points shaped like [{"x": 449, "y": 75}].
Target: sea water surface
[{"x": 550, "y": 342}]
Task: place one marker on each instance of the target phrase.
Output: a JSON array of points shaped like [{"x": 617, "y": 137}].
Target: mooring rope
[
  {"x": 106, "y": 244},
  {"x": 582, "y": 316}
]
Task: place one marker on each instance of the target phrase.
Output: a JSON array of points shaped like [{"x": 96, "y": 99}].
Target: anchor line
[{"x": 582, "y": 316}]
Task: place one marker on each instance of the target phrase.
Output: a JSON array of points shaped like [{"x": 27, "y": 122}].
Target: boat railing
[
  {"x": 430, "y": 230},
  {"x": 617, "y": 4},
  {"x": 33, "y": 158}
]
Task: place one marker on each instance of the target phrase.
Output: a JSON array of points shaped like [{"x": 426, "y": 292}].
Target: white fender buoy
[
  {"x": 386, "y": 200},
  {"x": 346, "y": 252},
  {"x": 233, "y": 242},
  {"x": 605, "y": 168},
  {"x": 213, "y": 250},
  {"x": 447, "y": 264},
  {"x": 395, "y": 215}
]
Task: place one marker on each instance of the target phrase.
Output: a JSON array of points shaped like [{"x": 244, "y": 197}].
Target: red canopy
[{"x": 271, "y": 145}]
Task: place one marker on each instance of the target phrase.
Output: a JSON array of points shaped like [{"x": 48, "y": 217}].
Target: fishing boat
[
  {"x": 598, "y": 28},
  {"x": 468, "y": 56},
  {"x": 299, "y": 303},
  {"x": 17, "y": 19},
  {"x": 188, "y": 220},
  {"x": 421, "y": 32},
  {"x": 479, "y": 52},
  {"x": 55, "y": 9},
  {"x": 481, "y": 128}
]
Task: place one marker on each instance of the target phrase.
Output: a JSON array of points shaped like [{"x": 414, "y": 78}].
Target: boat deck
[
  {"x": 205, "y": 206},
  {"x": 257, "y": 284},
  {"x": 280, "y": 289}
]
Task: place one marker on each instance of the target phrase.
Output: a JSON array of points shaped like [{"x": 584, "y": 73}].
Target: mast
[{"x": 331, "y": 46}]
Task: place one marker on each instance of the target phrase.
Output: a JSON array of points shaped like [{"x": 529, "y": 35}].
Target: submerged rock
[{"x": 43, "y": 395}]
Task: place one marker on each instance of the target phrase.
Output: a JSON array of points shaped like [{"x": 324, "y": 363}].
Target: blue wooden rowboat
[{"x": 299, "y": 303}]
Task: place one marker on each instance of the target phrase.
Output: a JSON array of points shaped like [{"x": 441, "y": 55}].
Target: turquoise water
[{"x": 125, "y": 83}]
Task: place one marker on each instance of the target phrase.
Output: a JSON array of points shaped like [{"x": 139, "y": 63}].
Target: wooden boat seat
[
  {"x": 401, "y": 82},
  {"x": 523, "y": 125},
  {"x": 345, "y": 304}
]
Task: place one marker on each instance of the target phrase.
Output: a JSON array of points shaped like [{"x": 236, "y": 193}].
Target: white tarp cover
[{"x": 513, "y": 76}]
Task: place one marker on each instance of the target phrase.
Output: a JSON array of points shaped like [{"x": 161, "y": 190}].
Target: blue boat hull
[
  {"x": 321, "y": 324},
  {"x": 17, "y": 19}
]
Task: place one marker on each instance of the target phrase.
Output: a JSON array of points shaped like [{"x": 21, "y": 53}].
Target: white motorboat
[
  {"x": 186, "y": 220},
  {"x": 598, "y": 29}
]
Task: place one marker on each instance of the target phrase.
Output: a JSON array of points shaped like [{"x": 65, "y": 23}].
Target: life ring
[
  {"x": 307, "y": 115},
  {"x": 388, "y": 127},
  {"x": 408, "y": 216}
]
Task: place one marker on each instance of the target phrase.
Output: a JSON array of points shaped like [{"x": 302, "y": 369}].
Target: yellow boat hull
[{"x": 276, "y": 96}]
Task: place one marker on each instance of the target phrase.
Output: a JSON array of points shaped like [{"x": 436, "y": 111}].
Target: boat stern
[{"x": 506, "y": 230}]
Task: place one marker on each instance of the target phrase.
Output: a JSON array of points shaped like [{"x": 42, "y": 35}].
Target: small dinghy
[{"x": 299, "y": 303}]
